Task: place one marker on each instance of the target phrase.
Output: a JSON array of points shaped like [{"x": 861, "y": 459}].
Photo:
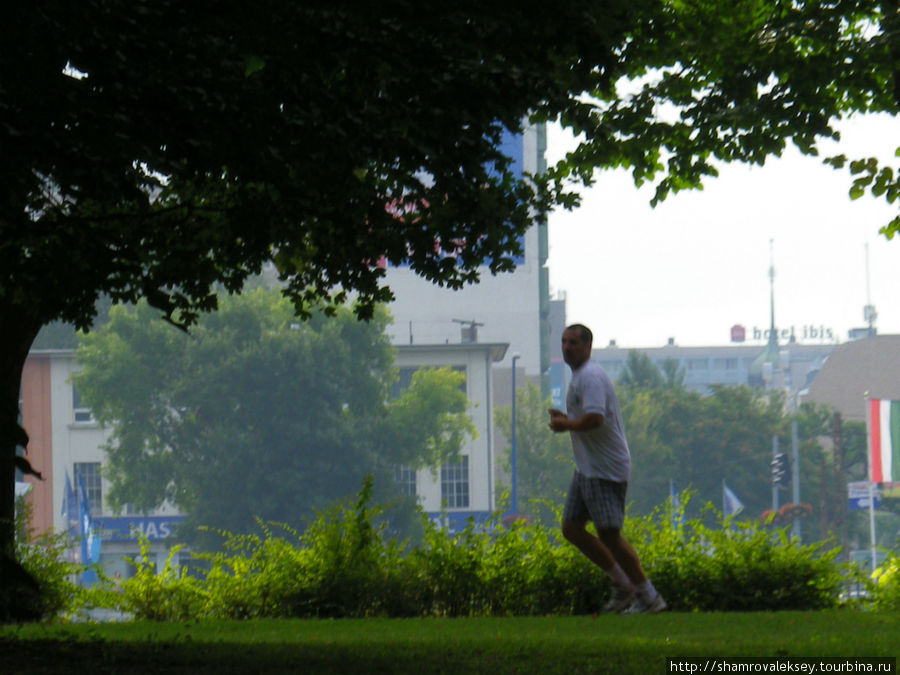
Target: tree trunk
[{"x": 18, "y": 590}]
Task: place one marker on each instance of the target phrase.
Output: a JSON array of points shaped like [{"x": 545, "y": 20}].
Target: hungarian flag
[{"x": 884, "y": 440}]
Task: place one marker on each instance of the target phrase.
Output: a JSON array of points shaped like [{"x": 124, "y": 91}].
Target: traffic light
[{"x": 781, "y": 470}]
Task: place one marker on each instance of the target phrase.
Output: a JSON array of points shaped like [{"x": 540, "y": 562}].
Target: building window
[
  {"x": 406, "y": 479},
  {"x": 725, "y": 364},
  {"x": 88, "y": 474},
  {"x": 698, "y": 364},
  {"x": 82, "y": 413},
  {"x": 455, "y": 484}
]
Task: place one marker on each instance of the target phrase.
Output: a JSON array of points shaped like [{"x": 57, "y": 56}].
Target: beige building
[{"x": 854, "y": 370}]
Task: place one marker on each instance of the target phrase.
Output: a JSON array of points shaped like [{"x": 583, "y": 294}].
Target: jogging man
[{"x": 602, "y": 470}]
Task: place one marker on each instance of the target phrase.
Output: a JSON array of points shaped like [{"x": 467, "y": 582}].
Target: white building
[
  {"x": 66, "y": 442},
  {"x": 512, "y": 307},
  {"x": 459, "y": 490}
]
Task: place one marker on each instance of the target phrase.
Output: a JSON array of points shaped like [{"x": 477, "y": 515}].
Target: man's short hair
[{"x": 585, "y": 332}]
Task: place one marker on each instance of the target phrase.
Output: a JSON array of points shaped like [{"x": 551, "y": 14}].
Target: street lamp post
[{"x": 515, "y": 491}]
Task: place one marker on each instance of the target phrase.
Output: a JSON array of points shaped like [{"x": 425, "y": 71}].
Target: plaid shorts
[{"x": 597, "y": 499}]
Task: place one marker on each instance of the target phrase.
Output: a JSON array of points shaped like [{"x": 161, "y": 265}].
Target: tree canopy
[
  {"x": 155, "y": 149},
  {"x": 698, "y": 441},
  {"x": 258, "y": 415},
  {"x": 703, "y": 81},
  {"x": 158, "y": 149}
]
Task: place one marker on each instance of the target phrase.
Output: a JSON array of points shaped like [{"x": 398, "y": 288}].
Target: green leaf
[{"x": 253, "y": 64}]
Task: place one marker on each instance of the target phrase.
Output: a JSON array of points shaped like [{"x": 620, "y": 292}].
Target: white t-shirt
[{"x": 601, "y": 452}]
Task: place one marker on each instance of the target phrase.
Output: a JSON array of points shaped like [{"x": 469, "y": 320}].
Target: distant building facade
[
  {"x": 794, "y": 368},
  {"x": 462, "y": 489},
  {"x": 65, "y": 442},
  {"x": 511, "y": 307}
]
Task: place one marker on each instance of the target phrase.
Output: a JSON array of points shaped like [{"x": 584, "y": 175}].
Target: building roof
[
  {"x": 734, "y": 350},
  {"x": 496, "y": 350},
  {"x": 855, "y": 369}
]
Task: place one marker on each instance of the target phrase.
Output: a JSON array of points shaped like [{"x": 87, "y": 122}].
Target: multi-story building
[
  {"x": 66, "y": 445},
  {"x": 512, "y": 307},
  {"x": 465, "y": 488},
  {"x": 791, "y": 370}
]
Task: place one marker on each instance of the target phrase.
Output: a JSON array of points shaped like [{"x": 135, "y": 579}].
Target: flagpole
[
  {"x": 672, "y": 503},
  {"x": 795, "y": 479},
  {"x": 871, "y": 484}
]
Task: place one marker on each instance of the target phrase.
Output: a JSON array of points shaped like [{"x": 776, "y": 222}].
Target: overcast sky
[{"x": 699, "y": 263}]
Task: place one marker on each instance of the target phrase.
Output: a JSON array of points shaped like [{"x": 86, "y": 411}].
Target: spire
[{"x": 757, "y": 375}]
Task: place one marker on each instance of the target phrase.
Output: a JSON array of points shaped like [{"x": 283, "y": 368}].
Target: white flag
[{"x": 733, "y": 505}]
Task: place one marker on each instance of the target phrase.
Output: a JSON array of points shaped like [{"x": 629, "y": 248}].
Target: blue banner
[
  {"x": 557, "y": 383},
  {"x": 132, "y": 528},
  {"x": 457, "y": 521}
]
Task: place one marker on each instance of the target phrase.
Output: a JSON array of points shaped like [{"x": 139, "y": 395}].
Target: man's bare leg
[
  {"x": 623, "y": 553},
  {"x": 589, "y": 545},
  {"x": 648, "y": 598}
]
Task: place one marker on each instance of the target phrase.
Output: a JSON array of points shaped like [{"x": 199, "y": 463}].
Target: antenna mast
[{"x": 869, "y": 313}]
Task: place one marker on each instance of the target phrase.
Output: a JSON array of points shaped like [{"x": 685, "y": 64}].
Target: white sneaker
[
  {"x": 641, "y": 606},
  {"x": 620, "y": 599}
]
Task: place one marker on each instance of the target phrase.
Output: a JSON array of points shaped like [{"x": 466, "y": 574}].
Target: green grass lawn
[{"x": 615, "y": 644}]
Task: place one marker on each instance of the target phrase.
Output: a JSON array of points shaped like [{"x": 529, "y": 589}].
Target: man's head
[{"x": 576, "y": 345}]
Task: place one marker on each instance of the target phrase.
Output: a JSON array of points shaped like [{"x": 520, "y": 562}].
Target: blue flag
[
  {"x": 677, "y": 514},
  {"x": 71, "y": 514},
  {"x": 90, "y": 539}
]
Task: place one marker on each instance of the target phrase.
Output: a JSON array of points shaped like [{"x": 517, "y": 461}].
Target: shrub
[
  {"x": 50, "y": 590},
  {"x": 528, "y": 569},
  {"x": 170, "y": 595},
  {"x": 344, "y": 566},
  {"x": 346, "y": 562},
  {"x": 735, "y": 566},
  {"x": 445, "y": 571},
  {"x": 254, "y": 577},
  {"x": 341, "y": 566},
  {"x": 885, "y": 589}
]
